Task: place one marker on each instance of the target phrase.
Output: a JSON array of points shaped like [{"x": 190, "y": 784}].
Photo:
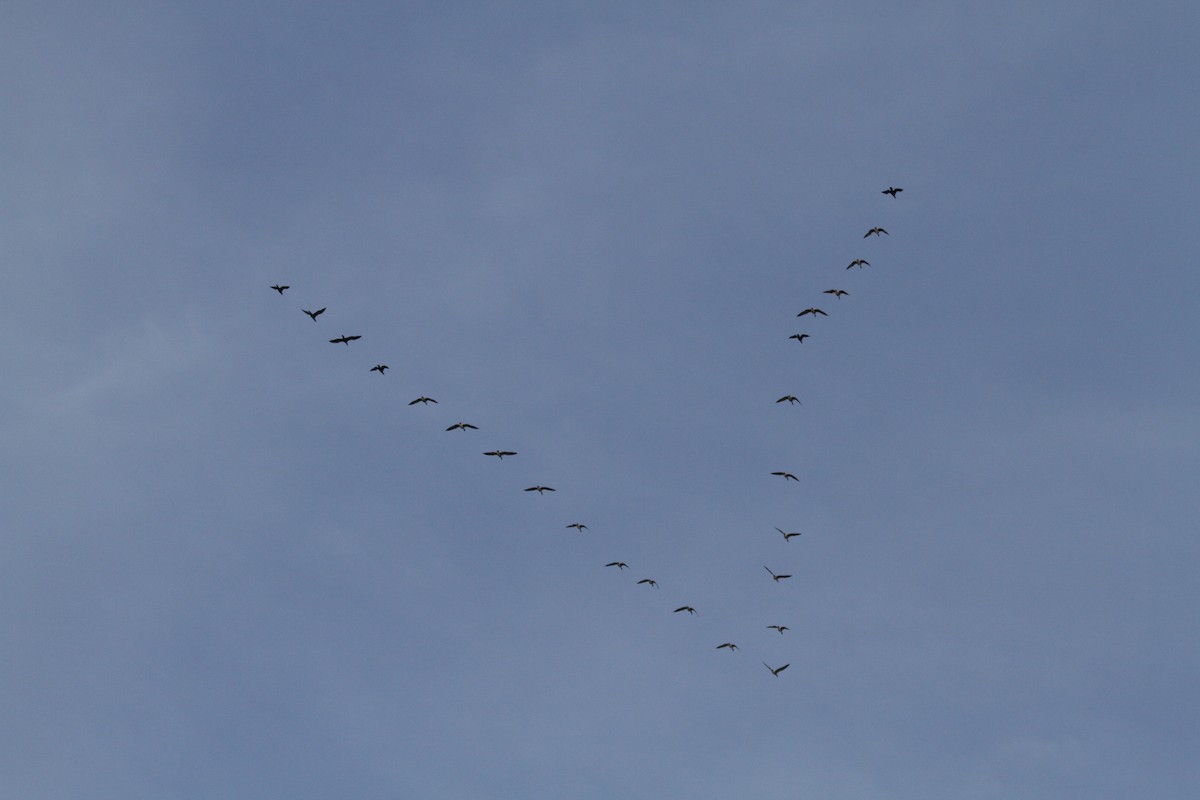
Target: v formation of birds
[{"x": 579, "y": 527}]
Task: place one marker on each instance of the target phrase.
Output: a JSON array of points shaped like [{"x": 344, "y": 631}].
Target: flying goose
[
  {"x": 346, "y": 340},
  {"x": 838, "y": 293},
  {"x": 892, "y": 190},
  {"x": 461, "y": 426},
  {"x": 540, "y": 489},
  {"x": 877, "y": 232},
  {"x": 579, "y": 526},
  {"x": 860, "y": 263},
  {"x": 423, "y": 400},
  {"x": 688, "y": 609},
  {"x": 780, "y": 628},
  {"x": 617, "y": 564},
  {"x": 790, "y": 399},
  {"x": 787, "y": 536},
  {"x": 500, "y": 454},
  {"x": 799, "y": 337},
  {"x": 813, "y": 311},
  {"x": 314, "y": 314},
  {"x": 648, "y": 581},
  {"x": 777, "y": 578},
  {"x": 379, "y": 368},
  {"x": 728, "y": 645},
  {"x": 776, "y": 670},
  {"x": 787, "y": 476},
  {"x": 279, "y": 288}
]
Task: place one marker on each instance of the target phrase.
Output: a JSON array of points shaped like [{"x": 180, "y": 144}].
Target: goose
[
  {"x": 838, "y": 293},
  {"x": 617, "y": 564},
  {"x": 877, "y": 232},
  {"x": 579, "y": 526},
  {"x": 776, "y": 670},
  {"x": 790, "y": 399},
  {"x": 730, "y": 646},
  {"x": 500, "y": 454},
  {"x": 799, "y": 337},
  {"x": 314, "y": 314},
  {"x": 462, "y": 426},
  {"x": 787, "y": 536},
  {"x": 787, "y": 476},
  {"x": 423, "y": 400},
  {"x": 780, "y": 628},
  {"x": 379, "y": 368},
  {"x": 688, "y": 609},
  {"x": 892, "y": 190},
  {"x": 346, "y": 340},
  {"x": 777, "y": 578},
  {"x": 860, "y": 263},
  {"x": 540, "y": 489},
  {"x": 648, "y": 581},
  {"x": 279, "y": 288},
  {"x": 813, "y": 311}
]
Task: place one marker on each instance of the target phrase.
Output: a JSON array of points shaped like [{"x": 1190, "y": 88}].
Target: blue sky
[{"x": 235, "y": 563}]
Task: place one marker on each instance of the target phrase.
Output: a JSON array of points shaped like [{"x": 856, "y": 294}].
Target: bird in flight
[
  {"x": 859, "y": 262},
  {"x": 813, "y": 311},
  {"x": 379, "y": 368},
  {"x": 799, "y": 337},
  {"x": 346, "y": 340},
  {"x": 422, "y": 400},
  {"x": 648, "y": 581},
  {"x": 838, "y": 293},
  {"x": 617, "y": 564},
  {"x": 892, "y": 190},
  {"x": 877, "y": 232},
  {"x": 790, "y": 399},
  {"x": 787, "y": 536},
  {"x": 579, "y": 526},
  {"x": 540, "y": 489},
  {"x": 780, "y": 628},
  {"x": 777, "y": 578},
  {"x": 688, "y": 609},
  {"x": 776, "y": 670},
  {"x": 279, "y": 288},
  {"x": 459, "y": 426},
  {"x": 314, "y": 314},
  {"x": 500, "y": 454},
  {"x": 728, "y": 645},
  {"x": 787, "y": 476}
]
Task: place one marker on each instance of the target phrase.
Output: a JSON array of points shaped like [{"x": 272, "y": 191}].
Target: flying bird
[
  {"x": 790, "y": 399},
  {"x": 777, "y": 578},
  {"x": 379, "y": 368},
  {"x": 799, "y": 337},
  {"x": 787, "y": 536},
  {"x": 500, "y": 454},
  {"x": 688, "y": 609},
  {"x": 346, "y": 340},
  {"x": 859, "y": 262},
  {"x": 780, "y": 628},
  {"x": 877, "y": 232},
  {"x": 579, "y": 526},
  {"x": 617, "y": 564},
  {"x": 647, "y": 580},
  {"x": 892, "y": 190},
  {"x": 728, "y": 645},
  {"x": 460, "y": 426},
  {"x": 776, "y": 670},
  {"x": 314, "y": 314},
  {"x": 279, "y": 288},
  {"x": 813, "y": 311},
  {"x": 787, "y": 476},
  {"x": 422, "y": 400},
  {"x": 540, "y": 489},
  {"x": 838, "y": 293}
]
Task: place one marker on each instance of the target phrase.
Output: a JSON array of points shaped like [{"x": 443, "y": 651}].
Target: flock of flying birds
[{"x": 812, "y": 311}]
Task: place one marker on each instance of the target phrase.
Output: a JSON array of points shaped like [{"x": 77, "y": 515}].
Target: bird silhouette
[
  {"x": 892, "y": 190},
  {"x": 379, "y": 368},
  {"x": 500, "y": 454},
  {"x": 799, "y": 337},
  {"x": 346, "y": 340},
  {"x": 688, "y": 609},
  {"x": 813, "y": 311},
  {"x": 776, "y": 670},
  {"x": 780, "y": 628},
  {"x": 648, "y": 581},
  {"x": 877, "y": 232},
  {"x": 617, "y": 564},
  {"x": 540, "y": 489},
  {"x": 422, "y": 400},
  {"x": 787, "y": 476},
  {"x": 838, "y": 293},
  {"x": 279, "y": 288},
  {"x": 461, "y": 426},
  {"x": 579, "y": 526},
  {"x": 314, "y": 314},
  {"x": 777, "y": 578},
  {"x": 790, "y": 399},
  {"x": 728, "y": 645},
  {"x": 787, "y": 536},
  {"x": 859, "y": 262}
]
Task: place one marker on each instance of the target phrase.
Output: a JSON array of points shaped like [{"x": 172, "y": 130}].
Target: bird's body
[
  {"x": 461, "y": 426},
  {"x": 422, "y": 400},
  {"x": 648, "y": 582},
  {"x": 688, "y": 609},
  {"x": 859, "y": 262},
  {"x": 540, "y": 489},
  {"x": 730, "y": 646},
  {"x": 314, "y": 314},
  {"x": 279, "y": 288},
  {"x": 617, "y": 564},
  {"x": 776, "y": 670},
  {"x": 876, "y": 232},
  {"x": 500, "y": 454},
  {"x": 814, "y": 311},
  {"x": 786, "y": 535},
  {"x": 892, "y": 190},
  {"x": 777, "y": 578},
  {"x": 838, "y": 293},
  {"x": 346, "y": 340},
  {"x": 379, "y": 368},
  {"x": 579, "y": 526},
  {"x": 780, "y": 628},
  {"x": 787, "y": 476},
  {"x": 790, "y": 399}
]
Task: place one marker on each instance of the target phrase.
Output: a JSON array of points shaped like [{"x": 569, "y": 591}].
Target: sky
[{"x": 236, "y": 563}]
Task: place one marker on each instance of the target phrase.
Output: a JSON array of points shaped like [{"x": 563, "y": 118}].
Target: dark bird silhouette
[
  {"x": 688, "y": 609},
  {"x": 838, "y": 293},
  {"x": 579, "y": 526},
  {"x": 379, "y": 368},
  {"x": 877, "y": 232},
  {"x": 728, "y": 645},
  {"x": 790, "y": 399},
  {"x": 617, "y": 564},
  {"x": 892, "y": 190},
  {"x": 346, "y": 340},
  {"x": 500, "y": 454},
  {"x": 776, "y": 670},
  {"x": 314, "y": 314},
  {"x": 780, "y": 628},
  {"x": 540, "y": 489},
  {"x": 462, "y": 426},
  {"x": 799, "y": 337},
  {"x": 648, "y": 581},
  {"x": 279, "y": 288},
  {"x": 859, "y": 262},
  {"x": 777, "y": 578},
  {"x": 787, "y": 536},
  {"x": 813, "y": 311},
  {"x": 787, "y": 476},
  {"x": 422, "y": 400}
]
